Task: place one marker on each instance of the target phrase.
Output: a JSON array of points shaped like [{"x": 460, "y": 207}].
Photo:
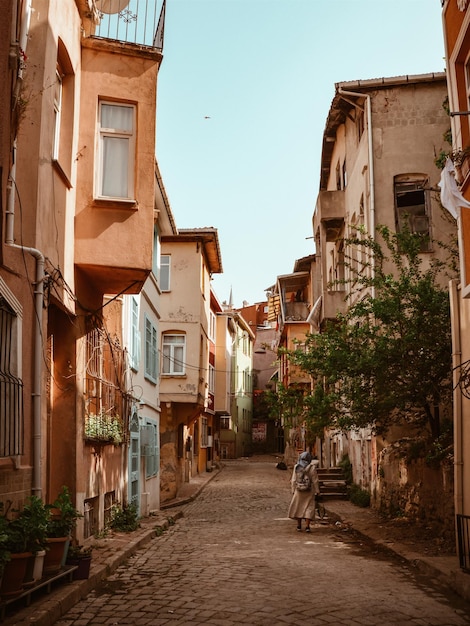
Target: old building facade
[
  {"x": 187, "y": 328},
  {"x": 456, "y": 21},
  {"x": 80, "y": 191},
  {"x": 377, "y": 169}
]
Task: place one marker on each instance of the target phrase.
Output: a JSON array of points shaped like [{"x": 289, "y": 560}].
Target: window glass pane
[
  {"x": 116, "y": 117},
  {"x": 178, "y": 359},
  {"x": 165, "y": 272},
  {"x": 173, "y": 349},
  {"x": 115, "y": 167},
  {"x": 156, "y": 253}
]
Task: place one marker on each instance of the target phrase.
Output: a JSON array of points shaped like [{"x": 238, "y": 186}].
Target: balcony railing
[
  {"x": 131, "y": 21},
  {"x": 296, "y": 311}
]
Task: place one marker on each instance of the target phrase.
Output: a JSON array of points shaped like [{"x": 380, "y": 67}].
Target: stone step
[{"x": 332, "y": 483}]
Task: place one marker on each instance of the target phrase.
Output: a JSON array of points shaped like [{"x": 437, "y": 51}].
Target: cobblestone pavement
[{"x": 234, "y": 558}]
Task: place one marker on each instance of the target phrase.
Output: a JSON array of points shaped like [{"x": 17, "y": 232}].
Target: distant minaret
[{"x": 230, "y": 300}]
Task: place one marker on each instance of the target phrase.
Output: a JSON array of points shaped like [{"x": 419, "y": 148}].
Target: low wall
[{"x": 411, "y": 488}]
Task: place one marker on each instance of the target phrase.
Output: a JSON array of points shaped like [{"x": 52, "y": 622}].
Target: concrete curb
[
  {"x": 46, "y": 611},
  {"x": 441, "y": 569}
]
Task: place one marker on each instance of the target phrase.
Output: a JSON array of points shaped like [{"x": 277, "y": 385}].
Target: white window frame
[
  {"x": 165, "y": 262},
  {"x": 172, "y": 365},
  {"x": 151, "y": 350},
  {"x": 134, "y": 343},
  {"x": 212, "y": 326},
  {"x": 58, "y": 88},
  {"x": 211, "y": 378},
  {"x": 116, "y": 133},
  {"x": 156, "y": 253}
]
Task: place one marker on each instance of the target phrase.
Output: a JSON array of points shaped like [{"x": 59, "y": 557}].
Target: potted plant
[
  {"x": 81, "y": 557},
  {"x": 16, "y": 543},
  {"x": 63, "y": 519},
  {"x": 4, "y": 552},
  {"x": 35, "y": 516}
]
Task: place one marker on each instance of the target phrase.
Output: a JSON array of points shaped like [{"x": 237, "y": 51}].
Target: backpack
[{"x": 303, "y": 481}]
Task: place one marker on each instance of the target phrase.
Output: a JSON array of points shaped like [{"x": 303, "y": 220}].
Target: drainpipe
[
  {"x": 38, "y": 306},
  {"x": 456, "y": 371},
  {"x": 39, "y": 277},
  {"x": 368, "y": 108}
]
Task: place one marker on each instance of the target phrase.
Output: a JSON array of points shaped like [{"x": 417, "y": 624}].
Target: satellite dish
[{"x": 111, "y": 6}]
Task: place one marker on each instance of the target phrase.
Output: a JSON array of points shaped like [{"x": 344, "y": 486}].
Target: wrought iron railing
[
  {"x": 131, "y": 21},
  {"x": 463, "y": 541}
]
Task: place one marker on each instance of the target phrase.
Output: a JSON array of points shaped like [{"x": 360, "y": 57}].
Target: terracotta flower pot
[
  {"x": 13, "y": 575},
  {"x": 54, "y": 554}
]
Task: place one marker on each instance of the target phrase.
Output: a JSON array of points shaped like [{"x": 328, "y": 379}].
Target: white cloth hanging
[{"x": 451, "y": 197}]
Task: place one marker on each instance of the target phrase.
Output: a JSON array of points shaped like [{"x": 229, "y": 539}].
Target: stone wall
[{"x": 412, "y": 488}]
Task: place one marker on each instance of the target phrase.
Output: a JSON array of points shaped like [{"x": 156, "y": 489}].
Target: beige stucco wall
[
  {"x": 182, "y": 311},
  {"x": 115, "y": 239}
]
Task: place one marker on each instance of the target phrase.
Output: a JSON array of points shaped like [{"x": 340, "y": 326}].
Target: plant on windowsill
[{"x": 103, "y": 428}]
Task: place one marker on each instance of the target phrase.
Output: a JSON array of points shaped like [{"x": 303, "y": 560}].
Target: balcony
[
  {"x": 139, "y": 22},
  {"x": 330, "y": 213}
]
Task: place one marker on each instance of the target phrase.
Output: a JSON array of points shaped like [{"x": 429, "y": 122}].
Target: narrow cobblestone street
[{"x": 234, "y": 558}]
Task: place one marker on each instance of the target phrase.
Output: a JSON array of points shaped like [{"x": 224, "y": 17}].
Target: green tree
[{"x": 388, "y": 359}]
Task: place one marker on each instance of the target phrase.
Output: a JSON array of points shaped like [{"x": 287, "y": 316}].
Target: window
[
  {"x": 165, "y": 263},
  {"x": 116, "y": 151},
  {"x": 225, "y": 423},
  {"x": 338, "y": 177},
  {"x": 212, "y": 325},
  {"x": 149, "y": 439},
  {"x": 174, "y": 352},
  {"x": 57, "y": 112},
  {"x": 151, "y": 351},
  {"x": 63, "y": 114},
  {"x": 11, "y": 386},
  {"x": 211, "y": 378},
  {"x": 411, "y": 207},
  {"x": 134, "y": 343},
  {"x": 156, "y": 253}
]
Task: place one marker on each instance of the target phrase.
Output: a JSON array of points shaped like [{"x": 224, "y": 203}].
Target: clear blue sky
[{"x": 263, "y": 72}]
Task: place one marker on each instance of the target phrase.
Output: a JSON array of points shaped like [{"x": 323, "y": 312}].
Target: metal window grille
[
  {"x": 109, "y": 501},
  {"x": 91, "y": 517},
  {"x": 106, "y": 401},
  {"x": 463, "y": 540},
  {"x": 11, "y": 388}
]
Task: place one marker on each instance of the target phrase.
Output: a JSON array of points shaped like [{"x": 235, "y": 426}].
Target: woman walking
[{"x": 305, "y": 486}]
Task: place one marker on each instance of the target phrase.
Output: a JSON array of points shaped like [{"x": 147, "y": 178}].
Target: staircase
[{"x": 333, "y": 485}]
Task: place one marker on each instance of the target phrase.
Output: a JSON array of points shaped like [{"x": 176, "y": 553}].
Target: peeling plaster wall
[{"x": 416, "y": 490}]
